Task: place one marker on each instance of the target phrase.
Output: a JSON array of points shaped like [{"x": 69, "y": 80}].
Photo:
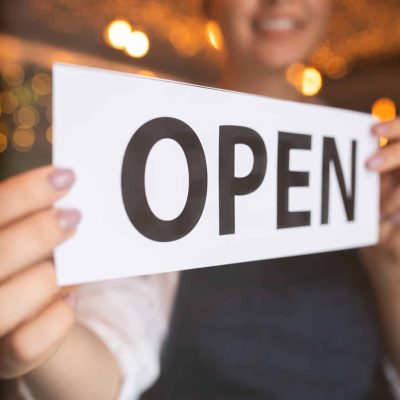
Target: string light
[
  {"x": 9, "y": 102},
  {"x": 307, "y": 80},
  {"x": 137, "y": 44},
  {"x": 336, "y": 67},
  {"x": 146, "y": 72},
  {"x": 117, "y": 33},
  {"x": 13, "y": 74},
  {"x": 23, "y": 139},
  {"x": 3, "y": 142},
  {"x": 26, "y": 117},
  {"x": 384, "y": 109},
  {"x": 294, "y": 75},
  {"x": 41, "y": 84},
  {"x": 214, "y": 35},
  {"x": 312, "y": 82},
  {"x": 49, "y": 134},
  {"x": 24, "y": 95}
]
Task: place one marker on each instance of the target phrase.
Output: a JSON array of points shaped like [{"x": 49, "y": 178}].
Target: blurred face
[{"x": 271, "y": 33}]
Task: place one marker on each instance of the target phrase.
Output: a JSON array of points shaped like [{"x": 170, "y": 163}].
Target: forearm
[{"x": 82, "y": 368}]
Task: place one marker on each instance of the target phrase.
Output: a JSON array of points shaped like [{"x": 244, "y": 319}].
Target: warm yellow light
[
  {"x": 23, "y": 139},
  {"x": 137, "y": 44},
  {"x": 146, "y": 72},
  {"x": 49, "y": 134},
  {"x": 294, "y": 75},
  {"x": 337, "y": 67},
  {"x": 24, "y": 95},
  {"x": 214, "y": 35},
  {"x": 117, "y": 33},
  {"x": 13, "y": 74},
  {"x": 384, "y": 109},
  {"x": 3, "y": 142},
  {"x": 9, "y": 102},
  {"x": 41, "y": 84},
  {"x": 312, "y": 82},
  {"x": 26, "y": 117},
  {"x": 383, "y": 141}
]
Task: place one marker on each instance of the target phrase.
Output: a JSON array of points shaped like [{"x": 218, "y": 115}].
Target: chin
[{"x": 276, "y": 62}]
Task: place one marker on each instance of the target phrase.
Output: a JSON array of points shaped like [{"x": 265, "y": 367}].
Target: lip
[{"x": 278, "y": 25}]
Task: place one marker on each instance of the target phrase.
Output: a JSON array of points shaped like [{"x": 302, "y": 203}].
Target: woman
[{"x": 301, "y": 327}]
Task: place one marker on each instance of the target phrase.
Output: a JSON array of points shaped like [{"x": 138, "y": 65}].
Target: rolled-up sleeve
[{"x": 131, "y": 317}]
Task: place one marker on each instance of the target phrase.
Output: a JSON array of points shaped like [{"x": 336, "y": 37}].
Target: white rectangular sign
[{"x": 173, "y": 176}]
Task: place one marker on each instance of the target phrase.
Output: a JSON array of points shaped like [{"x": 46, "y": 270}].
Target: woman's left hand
[{"x": 383, "y": 260}]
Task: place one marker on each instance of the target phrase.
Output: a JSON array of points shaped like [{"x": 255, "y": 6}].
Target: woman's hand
[
  {"x": 383, "y": 260},
  {"x": 34, "y": 317}
]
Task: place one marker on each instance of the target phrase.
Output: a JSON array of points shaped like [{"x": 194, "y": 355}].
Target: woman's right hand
[{"x": 34, "y": 317}]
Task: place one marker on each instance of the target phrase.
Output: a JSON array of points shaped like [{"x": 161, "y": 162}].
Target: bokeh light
[
  {"x": 137, "y": 44},
  {"x": 312, "y": 82},
  {"x": 117, "y": 33},
  {"x": 336, "y": 67},
  {"x": 214, "y": 35},
  {"x": 146, "y": 72},
  {"x": 9, "y": 102},
  {"x": 41, "y": 84},
  {"x": 13, "y": 74},
  {"x": 24, "y": 95},
  {"x": 384, "y": 109},
  {"x": 294, "y": 75},
  {"x": 383, "y": 141},
  {"x": 307, "y": 80},
  {"x": 49, "y": 134},
  {"x": 26, "y": 117},
  {"x": 3, "y": 142},
  {"x": 23, "y": 139}
]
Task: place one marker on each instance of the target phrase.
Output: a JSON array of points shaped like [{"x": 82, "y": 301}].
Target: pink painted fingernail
[
  {"x": 71, "y": 299},
  {"x": 381, "y": 128},
  {"x": 69, "y": 219},
  {"x": 375, "y": 162},
  {"x": 62, "y": 178}
]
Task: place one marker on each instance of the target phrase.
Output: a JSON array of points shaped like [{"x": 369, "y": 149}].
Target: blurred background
[{"x": 358, "y": 66}]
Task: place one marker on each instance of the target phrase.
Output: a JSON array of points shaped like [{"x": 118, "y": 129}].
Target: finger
[
  {"x": 386, "y": 159},
  {"x": 391, "y": 204},
  {"x": 390, "y": 130},
  {"x": 387, "y": 186},
  {"x": 33, "y": 238},
  {"x": 36, "y": 340},
  {"x": 33, "y": 191},
  {"x": 25, "y": 294}
]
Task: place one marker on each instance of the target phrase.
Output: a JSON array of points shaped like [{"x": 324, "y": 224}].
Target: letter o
[{"x": 133, "y": 179}]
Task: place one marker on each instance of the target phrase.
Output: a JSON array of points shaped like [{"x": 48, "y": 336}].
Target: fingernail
[
  {"x": 62, "y": 178},
  {"x": 68, "y": 219},
  {"x": 375, "y": 162},
  {"x": 71, "y": 299},
  {"x": 381, "y": 129}
]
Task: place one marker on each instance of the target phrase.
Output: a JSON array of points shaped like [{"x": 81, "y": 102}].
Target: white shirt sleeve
[
  {"x": 393, "y": 378},
  {"x": 131, "y": 316}
]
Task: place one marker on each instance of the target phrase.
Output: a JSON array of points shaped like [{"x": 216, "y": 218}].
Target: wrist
[{"x": 43, "y": 373}]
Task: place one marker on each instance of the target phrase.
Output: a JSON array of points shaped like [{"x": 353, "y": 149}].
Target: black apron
[{"x": 299, "y": 328}]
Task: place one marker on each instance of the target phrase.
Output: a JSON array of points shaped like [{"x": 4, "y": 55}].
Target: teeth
[{"x": 278, "y": 24}]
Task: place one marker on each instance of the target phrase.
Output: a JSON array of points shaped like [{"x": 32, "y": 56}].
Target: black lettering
[
  {"x": 133, "y": 179},
  {"x": 229, "y": 185},
  {"x": 287, "y": 179},
  {"x": 330, "y": 155}
]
